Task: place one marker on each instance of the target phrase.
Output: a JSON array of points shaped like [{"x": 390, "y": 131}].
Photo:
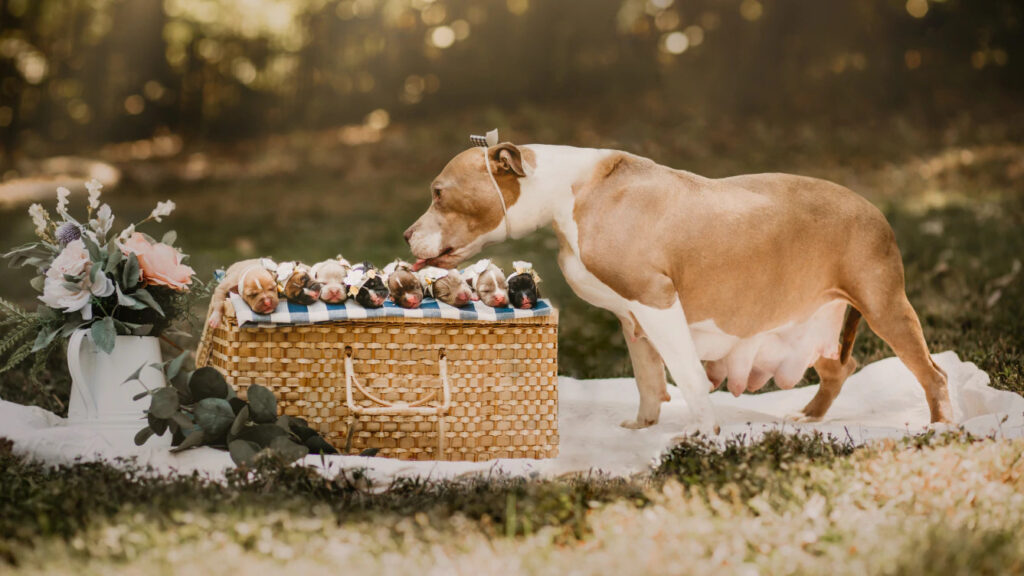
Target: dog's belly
[{"x": 784, "y": 352}]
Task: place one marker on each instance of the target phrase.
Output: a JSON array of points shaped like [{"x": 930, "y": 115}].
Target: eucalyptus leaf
[
  {"x": 165, "y": 403},
  {"x": 169, "y": 237},
  {"x": 262, "y": 434},
  {"x": 38, "y": 283},
  {"x": 318, "y": 445},
  {"x": 104, "y": 334},
  {"x": 175, "y": 365},
  {"x": 184, "y": 423},
  {"x": 142, "y": 330},
  {"x": 94, "y": 250},
  {"x": 140, "y": 395},
  {"x": 158, "y": 425},
  {"x": 126, "y": 300},
  {"x": 135, "y": 376},
  {"x": 215, "y": 417},
  {"x": 287, "y": 450},
  {"x": 142, "y": 435},
  {"x": 243, "y": 452},
  {"x": 115, "y": 258},
  {"x": 195, "y": 438},
  {"x": 262, "y": 404},
  {"x": 241, "y": 419},
  {"x": 44, "y": 338},
  {"x": 144, "y": 296},
  {"x": 369, "y": 452},
  {"x": 208, "y": 382},
  {"x": 282, "y": 423}
]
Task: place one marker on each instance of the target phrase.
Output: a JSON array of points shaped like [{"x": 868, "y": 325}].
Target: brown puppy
[
  {"x": 445, "y": 286},
  {"x": 331, "y": 276},
  {"x": 254, "y": 281},
  {"x": 296, "y": 284},
  {"x": 405, "y": 288},
  {"x": 488, "y": 283}
]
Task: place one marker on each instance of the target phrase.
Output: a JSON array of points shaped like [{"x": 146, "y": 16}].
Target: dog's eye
[{"x": 437, "y": 193}]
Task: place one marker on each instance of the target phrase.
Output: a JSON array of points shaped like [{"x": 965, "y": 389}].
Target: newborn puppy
[
  {"x": 254, "y": 280},
  {"x": 406, "y": 290},
  {"x": 445, "y": 286},
  {"x": 331, "y": 276},
  {"x": 296, "y": 283},
  {"x": 488, "y": 283},
  {"x": 366, "y": 285},
  {"x": 522, "y": 285}
]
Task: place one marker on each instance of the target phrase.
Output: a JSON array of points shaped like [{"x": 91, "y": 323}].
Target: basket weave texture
[{"x": 503, "y": 379}]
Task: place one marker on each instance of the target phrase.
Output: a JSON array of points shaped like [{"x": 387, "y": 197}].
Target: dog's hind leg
[
  {"x": 833, "y": 372},
  {"x": 668, "y": 332},
  {"x": 649, "y": 371}
]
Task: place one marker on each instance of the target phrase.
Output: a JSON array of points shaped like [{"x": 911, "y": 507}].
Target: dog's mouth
[{"x": 435, "y": 261}]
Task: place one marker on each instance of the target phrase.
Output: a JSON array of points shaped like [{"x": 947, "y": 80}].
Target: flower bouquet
[{"x": 111, "y": 284}]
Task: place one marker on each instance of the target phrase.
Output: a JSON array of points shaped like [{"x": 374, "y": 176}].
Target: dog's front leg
[
  {"x": 649, "y": 371},
  {"x": 669, "y": 332}
]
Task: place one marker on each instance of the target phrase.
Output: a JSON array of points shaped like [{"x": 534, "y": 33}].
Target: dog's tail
[{"x": 848, "y": 334}]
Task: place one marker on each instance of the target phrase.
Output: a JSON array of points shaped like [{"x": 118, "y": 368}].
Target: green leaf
[
  {"x": 169, "y": 237},
  {"x": 131, "y": 273},
  {"x": 165, "y": 403},
  {"x": 287, "y": 450},
  {"x": 215, "y": 417},
  {"x": 93, "y": 248},
  {"x": 195, "y": 438},
  {"x": 243, "y": 452},
  {"x": 144, "y": 296},
  {"x": 175, "y": 365},
  {"x": 142, "y": 435},
  {"x": 104, "y": 335},
  {"x": 44, "y": 338},
  {"x": 183, "y": 422},
  {"x": 38, "y": 283},
  {"x": 283, "y": 422},
  {"x": 135, "y": 376},
  {"x": 157, "y": 424},
  {"x": 94, "y": 271},
  {"x": 126, "y": 300},
  {"x": 141, "y": 395},
  {"x": 262, "y": 434},
  {"x": 142, "y": 330},
  {"x": 262, "y": 404},
  {"x": 115, "y": 258},
  {"x": 208, "y": 382},
  {"x": 241, "y": 419}
]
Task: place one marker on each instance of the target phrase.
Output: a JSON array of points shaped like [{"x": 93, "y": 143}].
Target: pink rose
[{"x": 160, "y": 263}]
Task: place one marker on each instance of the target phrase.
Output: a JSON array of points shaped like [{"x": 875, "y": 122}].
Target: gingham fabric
[{"x": 288, "y": 313}]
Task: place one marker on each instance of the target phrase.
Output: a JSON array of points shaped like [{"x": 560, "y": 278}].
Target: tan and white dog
[{"x": 743, "y": 278}]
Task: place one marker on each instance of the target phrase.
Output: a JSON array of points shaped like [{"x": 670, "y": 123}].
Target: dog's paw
[
  {"x": 637, "y": 424},
  {"x": 801, "y": 418}
]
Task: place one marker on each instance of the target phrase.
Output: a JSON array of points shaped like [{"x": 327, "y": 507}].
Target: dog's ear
[{"x": 508, "y": 158}]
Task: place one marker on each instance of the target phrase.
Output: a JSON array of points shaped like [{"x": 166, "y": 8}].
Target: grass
[{"x": 782, "y": 504}]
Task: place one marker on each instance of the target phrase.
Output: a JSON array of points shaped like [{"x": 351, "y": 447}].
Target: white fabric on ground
[{"x": 880, "y": 401}]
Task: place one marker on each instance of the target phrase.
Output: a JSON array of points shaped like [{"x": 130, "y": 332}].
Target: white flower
[
  {"x": 38, "y": 214},
  {"x": 103, "y": 221},
  {"x": 162, "y": 209},
  {"x": 126, "y": 234},
  {"x": 63, "y": 294},
  {"x": 62, "y": 199},
  {"x": 94, "y": 186}
]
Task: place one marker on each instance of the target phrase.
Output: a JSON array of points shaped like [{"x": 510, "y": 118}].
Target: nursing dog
[{"x": 744, "y": 278}]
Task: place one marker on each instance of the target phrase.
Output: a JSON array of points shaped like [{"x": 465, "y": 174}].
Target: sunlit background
[{"x": 305, "y": 128}]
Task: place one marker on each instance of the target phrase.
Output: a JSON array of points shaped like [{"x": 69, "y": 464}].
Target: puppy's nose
[
  {"x": 499, "y": 300},
  {"x": 408, "y": 234}
]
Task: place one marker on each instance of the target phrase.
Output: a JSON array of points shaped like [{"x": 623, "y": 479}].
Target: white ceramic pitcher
[{"x": 100, "y": 397}]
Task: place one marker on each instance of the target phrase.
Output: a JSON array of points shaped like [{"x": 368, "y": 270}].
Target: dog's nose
[
  {"x": 408, "y": 234},
  {"x": 499, "y": 300}
]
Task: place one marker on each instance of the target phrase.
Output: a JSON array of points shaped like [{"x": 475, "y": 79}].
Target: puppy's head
[
  {"x": 523, "y": 291},
  {"x": 366, "y": 285},
  {"x": 297, "y": 284},
  {"x": 258, "y": 287},
  {"x": 452, "y": 289},
  {"x": 330, "y": 274},
  {"x": 465, "y": 212},
  {"x": 405, "y": 288},
  {"x": 488, "y": 283}
]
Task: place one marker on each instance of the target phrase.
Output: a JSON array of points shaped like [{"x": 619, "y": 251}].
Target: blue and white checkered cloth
[{"x": 288, "y": 313}]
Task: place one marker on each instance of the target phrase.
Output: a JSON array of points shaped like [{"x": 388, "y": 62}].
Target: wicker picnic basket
[{"x": 414, "y": 388}]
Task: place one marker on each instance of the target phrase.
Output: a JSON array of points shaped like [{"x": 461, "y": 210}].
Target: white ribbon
[{"x": 491, "y": 139}]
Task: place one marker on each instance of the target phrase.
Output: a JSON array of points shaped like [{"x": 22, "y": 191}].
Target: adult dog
[{"x": 741, "y": 279}]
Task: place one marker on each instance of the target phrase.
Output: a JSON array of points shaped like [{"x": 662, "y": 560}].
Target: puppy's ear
[{"x": 509, "y": 158}]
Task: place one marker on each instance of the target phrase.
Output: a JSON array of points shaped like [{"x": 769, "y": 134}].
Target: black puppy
[
  {"x": 523, "y": 291},
  {"x": 366, "y": 285}
]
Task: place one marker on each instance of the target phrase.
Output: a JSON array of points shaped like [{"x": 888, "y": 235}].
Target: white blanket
[{"x": 880, "y": 401}]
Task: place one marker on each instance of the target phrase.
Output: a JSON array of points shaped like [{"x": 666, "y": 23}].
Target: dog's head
[
  {"x": 258, "y": 287},
  {"x": 331, "y": 276},
  {"x": 366, "y": 285},
  {"x": 465, "y": 213},
  {"x": 488, "y": 283},
  {"x": 297, "y": 284},
  {"x": 523, "y": 291},
  {"x": 405, "y": 288}
]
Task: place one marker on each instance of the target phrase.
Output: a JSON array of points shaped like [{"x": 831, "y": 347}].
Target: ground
[{"x": 953, "y": 193}]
